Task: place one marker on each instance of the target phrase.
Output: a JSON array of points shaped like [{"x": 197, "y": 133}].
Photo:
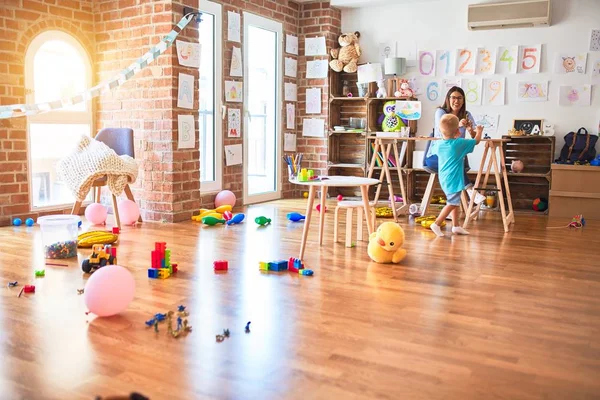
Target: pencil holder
[{"x": 291, "y": 172}]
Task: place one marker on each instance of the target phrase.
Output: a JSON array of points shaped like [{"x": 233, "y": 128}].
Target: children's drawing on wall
[
  {"x": 387, "y": 50},
  {"x": 313, "y": 101},
  {"x": 236, "y": 62},
  {"x": 596, "y": 68},
  {"x": 493, "y": 91},
  {"x": 410, "y": 110},
  {"x": 185, "y": 95},
  {"x": 595, "y": 40},
  {"x": 290, "y": 116},
  {"x": 289, "y": 142},
  {"x": 316, "y": 69},
  {"x": 290, "y": 91},
  {"x": 233, "y": 154},
  {"x": 291, "y": 67},
  {"x": 489, "y": 123},
  {"x": 532, "y": 91},
  {"x": 233, "y": 26},
  {"x": 575, "y": 95},
  {"x": 186, "y": 134},
  {"x": 568, "y": 63},
  {"x": 315, "y": 46},
  {"x": 291, "y": 44},
  {"x": 188, "y": 53},
  {"x": 314, "y": 127},
  {"x": 233, "y": 91},
  {"x": 234, "y": 123}
]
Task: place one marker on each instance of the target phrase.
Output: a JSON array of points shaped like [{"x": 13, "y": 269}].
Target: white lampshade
[
  {"x": 369, "y": 73},
  {"x": 395, "y": 66}
]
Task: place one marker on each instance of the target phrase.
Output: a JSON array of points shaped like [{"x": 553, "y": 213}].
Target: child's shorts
[{"x": 453, "y": 199}]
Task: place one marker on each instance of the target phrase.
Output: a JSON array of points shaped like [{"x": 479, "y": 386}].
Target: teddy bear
[
  {"x": 385, "y": 245},
  {"x": 404, "y": 89},
  {"x": 346, "y": 57}
]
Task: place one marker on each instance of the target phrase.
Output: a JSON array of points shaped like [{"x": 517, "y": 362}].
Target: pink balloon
[
  {"x": 225, "y": 197},
  {"x": 129, "y": 212},
  {"x": 109, "y": 290},
  {"x": 96, "y": 213}
]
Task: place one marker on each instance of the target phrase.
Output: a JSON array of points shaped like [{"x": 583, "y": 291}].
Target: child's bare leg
[
  {"x": 456, "y": 228},
  {"x": 435, "y": 227}
]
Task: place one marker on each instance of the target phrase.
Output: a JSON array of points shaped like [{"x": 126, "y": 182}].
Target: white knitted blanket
[{"x": 92, "y": 160}]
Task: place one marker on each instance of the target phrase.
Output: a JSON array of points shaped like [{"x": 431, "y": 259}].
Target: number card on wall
[
  {"x": 426, "y": 62},
  {"x": 465, "y": 61},
  {"x": 486, "y": 61},
  {"x": 530, "y": 59},
  {"x": 506, "y": 61},
  {"x": 433, "y": 91},
  {"x": 445, "y": 63},
  {"x": 493, "y": 91},
  {"x": 472, "y": 88}
]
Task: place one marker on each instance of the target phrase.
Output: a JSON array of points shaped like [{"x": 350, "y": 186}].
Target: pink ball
[
  {"x": 340, "y": 197},
  {"x": 109, "y": 290},
  {"x": 129, "y": 212},
  {"x": 227, "y": 215},
  {"x": 225, "y": 197},
  {"x": 96, "y": 213}
]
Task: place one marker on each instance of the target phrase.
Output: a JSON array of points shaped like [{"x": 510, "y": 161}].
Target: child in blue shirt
[{"x": 451, "y": 158}]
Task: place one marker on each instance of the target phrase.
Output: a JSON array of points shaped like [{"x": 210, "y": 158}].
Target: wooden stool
[{"x": 349, "y": 206}]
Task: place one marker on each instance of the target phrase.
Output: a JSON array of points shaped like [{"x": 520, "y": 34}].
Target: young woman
[{"x": 454, "y": 104}]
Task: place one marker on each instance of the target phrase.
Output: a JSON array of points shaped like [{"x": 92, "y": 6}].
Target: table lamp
[{"x": 395, "y": 66}]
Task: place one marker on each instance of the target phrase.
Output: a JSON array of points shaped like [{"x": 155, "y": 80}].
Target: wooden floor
[{"x": 489, "y": 316}]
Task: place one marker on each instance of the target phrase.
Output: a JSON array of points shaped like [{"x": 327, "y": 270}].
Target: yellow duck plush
[{"x": 385, "y": 245}]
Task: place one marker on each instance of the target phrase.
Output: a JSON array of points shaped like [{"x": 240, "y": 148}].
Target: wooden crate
[
  {"x": 536, "y": 152},
  {"x": 575, "y": 190}
]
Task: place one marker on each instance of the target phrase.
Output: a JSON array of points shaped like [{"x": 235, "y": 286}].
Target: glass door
[{"x": 262, "y": 108}]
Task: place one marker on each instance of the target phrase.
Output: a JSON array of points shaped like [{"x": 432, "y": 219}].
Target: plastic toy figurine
[
  {"x": 27, "y": 289},
  {"x": 262, "y": 221},
  {"x": 150, "y": 322},
  {"x": 80, "y": 291},
  {"x": 181, "y": 308},
  {"x": 102, "y": 254},
  {"x": 237, "y": 218},
  {"x": 13, "y": 284},
  {"x": 212, "y": 221},
  {"x": 156, "y": 326},
  {"x": 295, "y": 217},
  {"x": 160, "y": 317},
  {"x": 40, "y": 273},
  {"x": 170, "y": 322},
  {"x": 226, "y": 332},
  {"x": 247, "y": 329},
  {"x": 179, "y": 323},
  {"x": 308, "y": 272}
]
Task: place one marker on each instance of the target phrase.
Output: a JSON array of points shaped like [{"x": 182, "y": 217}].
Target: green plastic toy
[
  {"x": 40, "y": 273},
  {"x": 262, "y": 221},
  {"x": 212, "y": 221}
]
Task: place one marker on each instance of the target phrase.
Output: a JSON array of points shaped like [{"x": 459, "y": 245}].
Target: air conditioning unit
[{"x": 514, "y": 14}]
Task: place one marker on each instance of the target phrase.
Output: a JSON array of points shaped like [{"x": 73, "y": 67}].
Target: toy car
[{"x": 101, "y": 256}]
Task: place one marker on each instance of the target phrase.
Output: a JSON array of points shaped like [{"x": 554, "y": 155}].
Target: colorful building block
[
  {"x": 308, "y": 272},
  {"x": 163, "y": 273},
  {"x": 221, "y": 265},
  {"x": 295, "y": 264},
  {"x": 153, "y": 273},
  {"x": 263, "y": 266},
  {"x": 280, "y": 265}
]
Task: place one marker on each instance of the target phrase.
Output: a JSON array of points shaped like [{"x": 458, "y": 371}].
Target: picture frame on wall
[{"x": 529, "y": 126}]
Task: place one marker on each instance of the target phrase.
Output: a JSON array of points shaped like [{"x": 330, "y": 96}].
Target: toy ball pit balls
[
  {"x": 517, "y": 166},
  {"x": 305, "y": 194},
  {"x": 17, "y": 222},
  {"x": 29, "y": 222},
  {"x": 129, "y": 212},
  {"x": 96, "y": 213},
  {"x": 340, "y": 197},
  {"x": 540, "y": 204},
  {"x": 109, "y": 291},
  {"x": 225, "y": 197}
]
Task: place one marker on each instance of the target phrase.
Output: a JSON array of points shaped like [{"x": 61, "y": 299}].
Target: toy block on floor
[
  {"x": 162, "y": 267},
  {"x": 221, "y": 265},
  {"x": 263, "y": 266},
  {"x": 280, "y": 265}
]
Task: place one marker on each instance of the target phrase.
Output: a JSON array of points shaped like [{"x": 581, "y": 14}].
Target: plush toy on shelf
[
  {"x": 385, "y": 245},
  {"x": 346, "y": 57},
  {"x": 381, "y": 92},
  {"x": 405, "y": 90},
  {"x": 391, "y": 122}
]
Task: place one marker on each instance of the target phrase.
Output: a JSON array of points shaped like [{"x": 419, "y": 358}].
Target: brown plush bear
[{"x": 346, "y": 57}]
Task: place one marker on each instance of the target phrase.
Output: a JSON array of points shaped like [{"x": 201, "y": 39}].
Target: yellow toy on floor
[{"x": 385, "y": 245}]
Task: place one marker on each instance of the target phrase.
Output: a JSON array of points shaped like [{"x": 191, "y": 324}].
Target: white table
[{"x": 333, "y": 181}]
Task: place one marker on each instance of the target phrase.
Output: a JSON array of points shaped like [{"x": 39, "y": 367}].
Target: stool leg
[
  {"x": 359, "y": 224},
  {"x": 116, "y": 211},
  {"x": 427, "y": 195},
  {"x": 349, "y": 227},
  {"x": 335, "y": 224}
]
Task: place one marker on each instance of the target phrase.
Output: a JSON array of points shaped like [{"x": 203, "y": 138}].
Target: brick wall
[
  {"x": 316, "y": 19},
  {"x": 116, "y": 32},
  {"x": 20, "y": 22}
]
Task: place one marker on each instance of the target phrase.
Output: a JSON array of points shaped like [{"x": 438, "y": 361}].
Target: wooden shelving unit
[{"x": 349, "y": 153}]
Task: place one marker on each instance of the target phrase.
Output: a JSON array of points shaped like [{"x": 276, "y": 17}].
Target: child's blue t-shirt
[{"x": 451, "y": 154}]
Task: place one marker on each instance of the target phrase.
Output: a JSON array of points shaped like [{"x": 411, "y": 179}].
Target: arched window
[{"x": 56, "y": 67}]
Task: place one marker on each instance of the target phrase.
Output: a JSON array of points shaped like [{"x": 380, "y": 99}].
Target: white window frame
[
  {"x": 251, "y": 19},
  {"x": 216, "y": 10},
  {"x": 59, "y": 116}
]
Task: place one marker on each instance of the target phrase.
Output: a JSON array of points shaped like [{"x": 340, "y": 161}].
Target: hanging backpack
[{"x": 579, "y": 146}]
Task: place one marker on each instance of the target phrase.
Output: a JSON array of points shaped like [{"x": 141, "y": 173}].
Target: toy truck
[{"x": 102, "y": 254}]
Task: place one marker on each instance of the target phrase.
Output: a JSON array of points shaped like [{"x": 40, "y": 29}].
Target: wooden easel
[
  {"x": 493, "y": 148},
  {"x": 385, "y": 171}
]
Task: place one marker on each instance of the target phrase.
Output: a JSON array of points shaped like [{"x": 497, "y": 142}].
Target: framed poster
[{"x": 529, "y": 126}]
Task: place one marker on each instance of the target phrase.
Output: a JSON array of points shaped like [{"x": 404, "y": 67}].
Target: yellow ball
[{"x": 305, "y": 195}]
